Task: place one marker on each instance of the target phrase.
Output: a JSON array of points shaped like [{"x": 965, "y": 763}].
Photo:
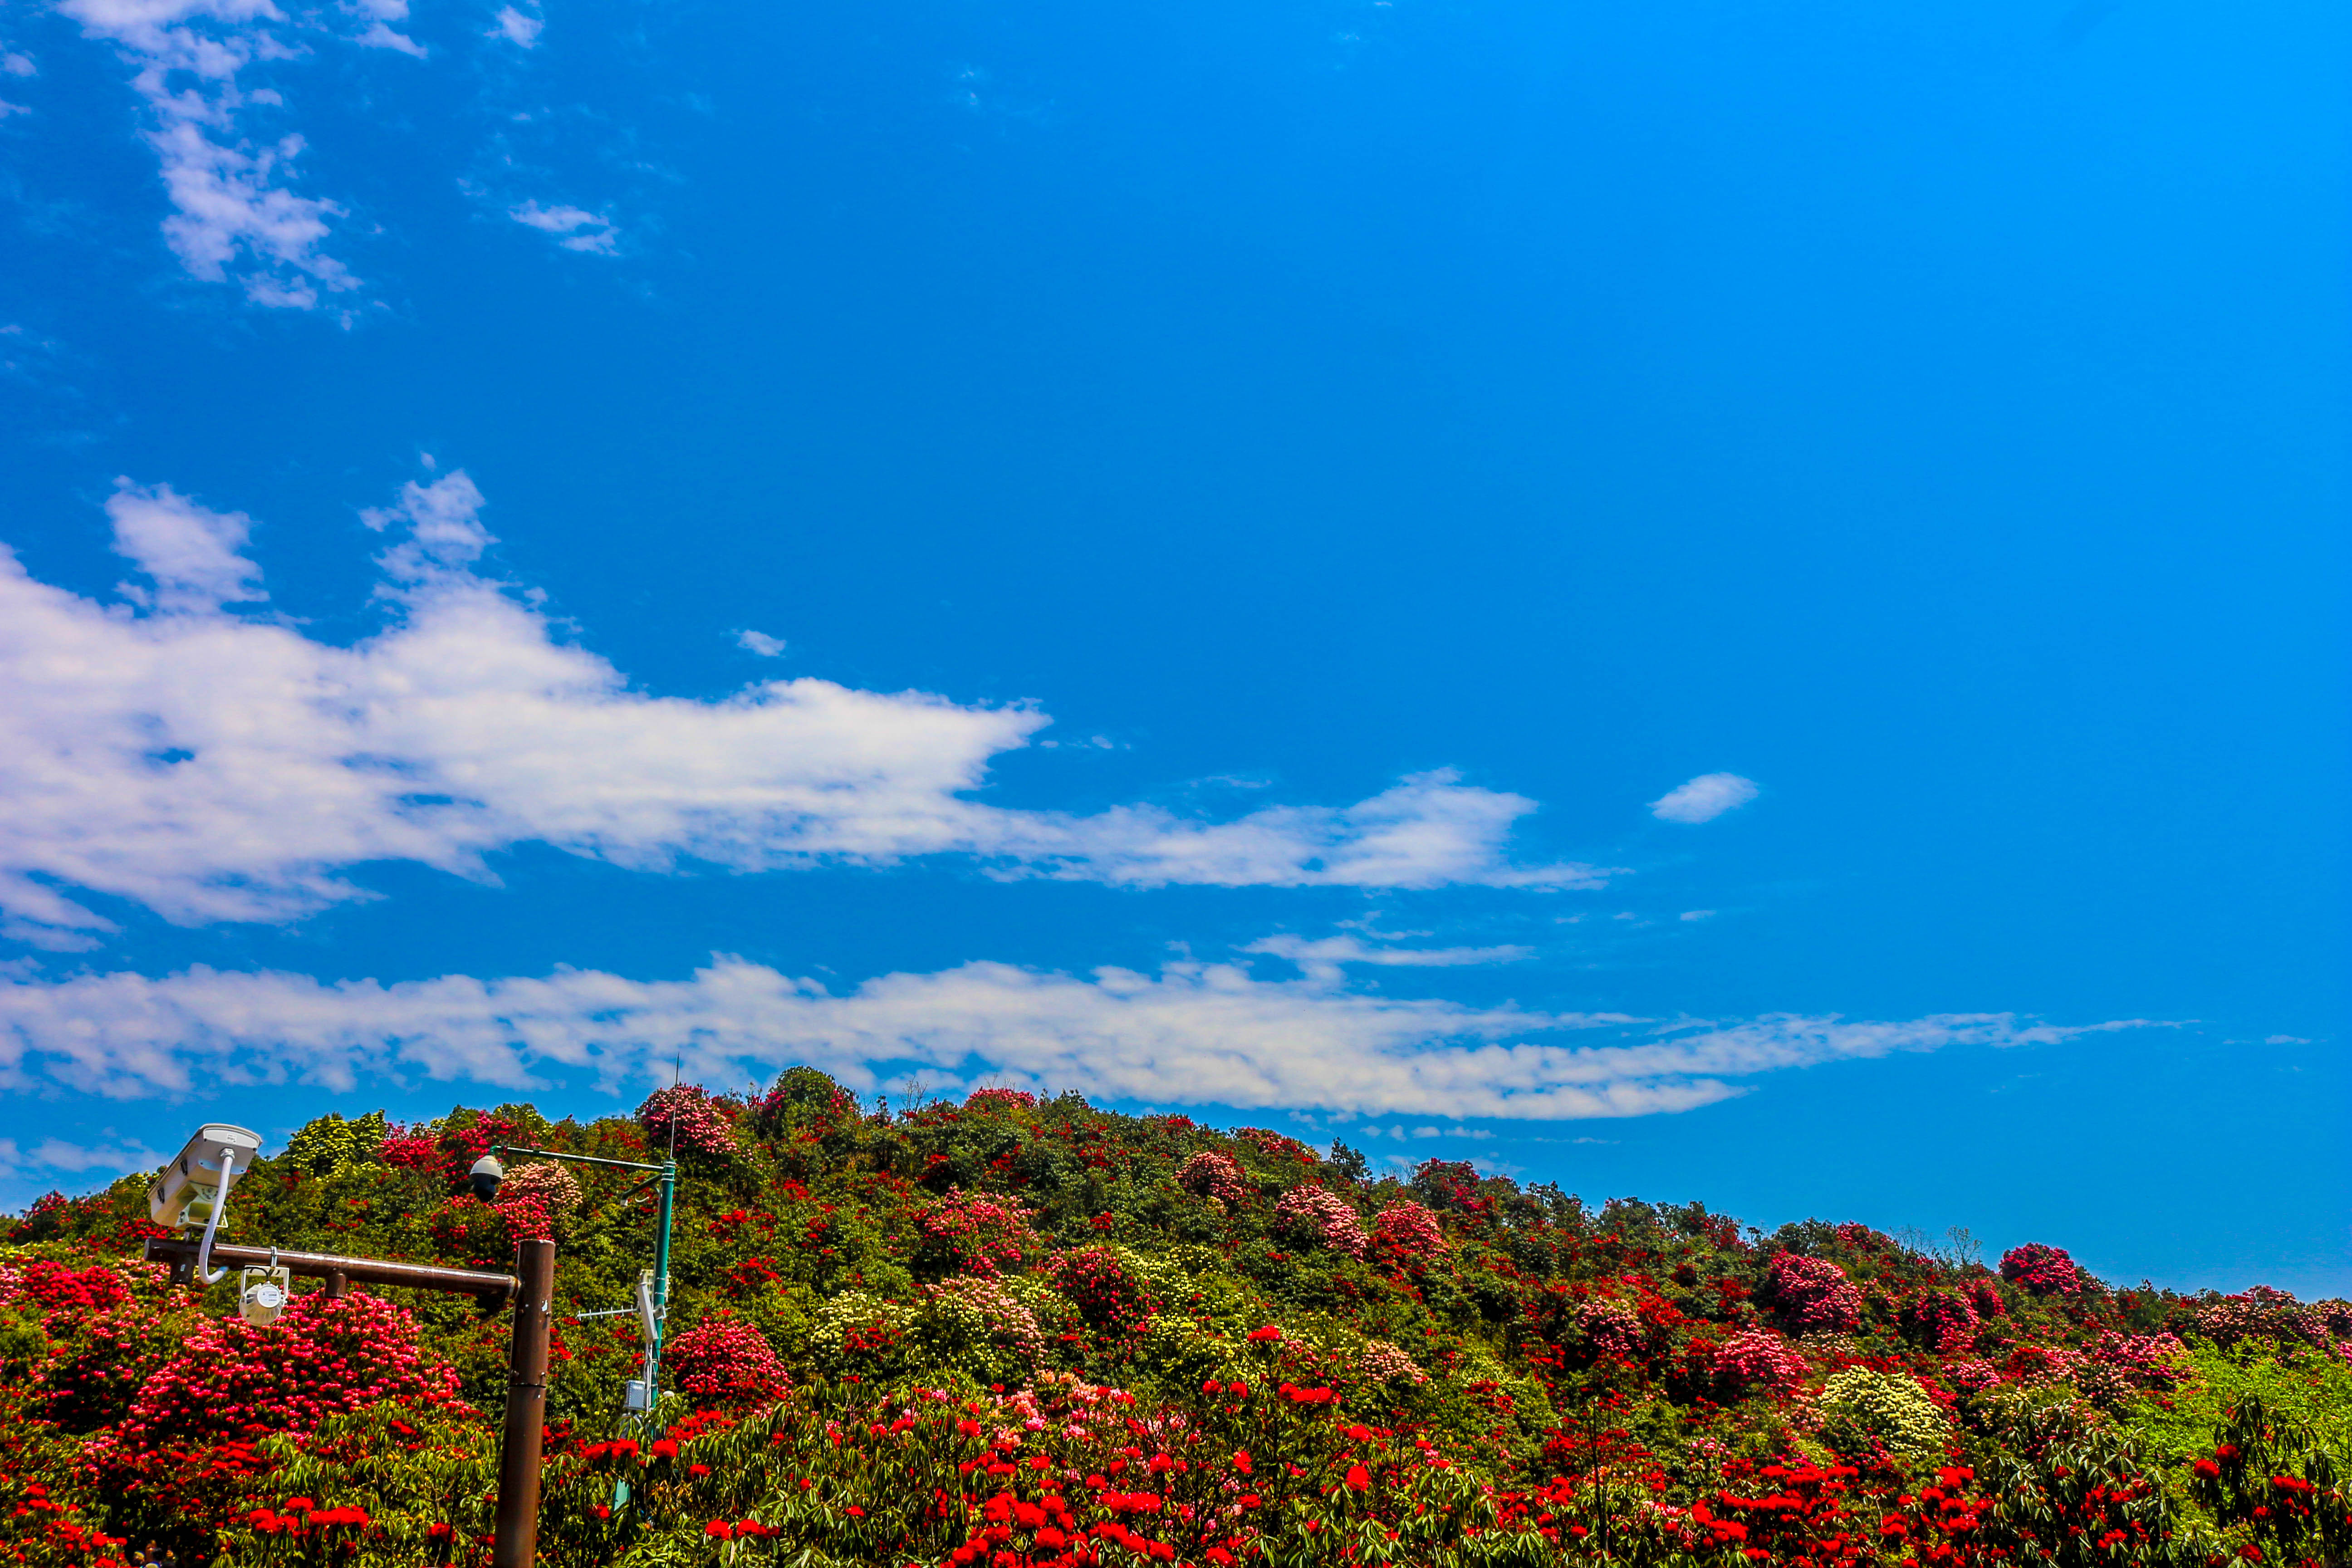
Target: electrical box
[
  {"x": 262, "y": 1293},
  {"x": 637, "y": 1396}
]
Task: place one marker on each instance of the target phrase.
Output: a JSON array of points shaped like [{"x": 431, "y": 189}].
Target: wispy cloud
[
  {"x": 235, "y": 213},
  {"x": 515, "y": 27},
  {"x": 1326, "y": 957},
  {"x": 575, "y": 228},
  {"x": 1703, "y": 799},
  {"x": 192, "y": 752},
  {"x": 760, "y": 643},
  {"x": 53, "y": 1154},
  {"x": 1192, "y": 1033}
]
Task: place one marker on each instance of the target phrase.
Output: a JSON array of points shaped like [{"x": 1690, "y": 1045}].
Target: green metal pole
[{"x": 661, "y": 1286}]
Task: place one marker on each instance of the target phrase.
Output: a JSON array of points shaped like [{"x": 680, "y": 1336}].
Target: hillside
[{"x": 1014, "y": 1333}]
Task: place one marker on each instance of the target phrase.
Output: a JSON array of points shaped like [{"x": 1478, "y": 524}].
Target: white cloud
[
  {"x": 1324, "y": 957},
  {"x": 580, "y": 229},
  {"x": 381, "y": 36},
  {"x": 515, "y": 27},
  {"x": 215, "y": 765},
  {"x": 760, "y": 643},
  {"x": 192, "y": 554},
  {"x": 1194, "y": 1034},
  {"x": 1696, "y": 915},
  {"x": 18, "y": 65},
  {"x": 1703, "y": 799},
  {"x": 52, "y": 1155},
  {"x": 234, "y": 214}
]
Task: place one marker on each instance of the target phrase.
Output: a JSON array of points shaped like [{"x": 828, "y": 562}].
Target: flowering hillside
[{"x": 1015, "y": 1334}]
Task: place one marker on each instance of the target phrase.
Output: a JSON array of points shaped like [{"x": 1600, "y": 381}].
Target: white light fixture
[{"x": 193, "y": 1188}]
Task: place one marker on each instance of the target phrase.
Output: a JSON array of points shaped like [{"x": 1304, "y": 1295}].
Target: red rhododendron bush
[{"x": 1015, "y": 1332}]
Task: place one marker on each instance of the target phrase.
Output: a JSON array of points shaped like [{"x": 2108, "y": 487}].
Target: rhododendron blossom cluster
[
  {"x": 2045, "y": 1270},
  {"x": 727, "y": 1363},
  {"x": 1320, "y": 1218},
  {"x": 685, "y": 1113},
  {"x": 1612, "y": 1327},
  {"x": 1945, "y": 1321},
  {"x": 1411, "y": 1228},
  {"x": 320, "y": 1358},
  {"x": 1814, "y": 1294},
  {"x": 1209, "y": 1175},
  {"x": 975, "y": 1235},
  {"x": 1762, "y": 1358},
  {"x": 553, "y": 1189}
]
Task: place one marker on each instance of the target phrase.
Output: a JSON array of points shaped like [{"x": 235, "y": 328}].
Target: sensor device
[{"x": 263, "y": 1293}]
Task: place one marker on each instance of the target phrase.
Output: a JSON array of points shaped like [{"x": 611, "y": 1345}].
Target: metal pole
[
  {"x": 517, "y": 1542},
  {"x": 661, "y": 1289},
  {"x": 494, "y": 1290}
]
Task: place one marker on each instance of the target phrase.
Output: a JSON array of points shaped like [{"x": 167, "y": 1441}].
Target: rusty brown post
[{"x": 517, "y": 1543}]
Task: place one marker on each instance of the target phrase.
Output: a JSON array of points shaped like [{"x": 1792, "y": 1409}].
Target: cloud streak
[
  {"x": 190, "y": 750},
  {"x": 1192, "y": 1033}
]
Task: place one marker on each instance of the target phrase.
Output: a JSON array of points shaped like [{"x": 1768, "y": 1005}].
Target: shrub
[
  {"x": 321, "y": 1358},
  {"x": 482, "y": 1234},
  {"x": 2263, "y": 1313},
  {"x": 1411, "y": 1229},
  {"x": 701, "y": 1127},
  {"x": 543, "y": 1181},
  {"x": 2045, "y": 1270},
  {"x": 60, "y": 1295},
  {"x": 974, "y": 1235},
  {"x": 857, "y": 1328},
  {"x": 1208, "y": 1175},
  {"x": 1971, "y": 1377},
  {"x": 802, "y": 1093},
  {"x": 1611, "y": 1328},
  {"x": 1318, "y": 1216},
  {"x": 1885, "y": 1411},
  {"x": 979, "y": 1328},
  {"x": 1384, "y": 1362},
  {"x": 1944, "y": 1321},
  {"x": 411, "y": 1148},
  {"x": 2152, "y": 1360},
  {"x": 1107, "y": 1292},
  {"x": 1812, "y": 1294},
  {"x": 331, "y": 1146},
  {"x": 1759, "y": 1358},
  {"x": 999, "y": 1099},
  {"x": 726, "y": 1364},
  {"x": 1984, "y": 1298}
]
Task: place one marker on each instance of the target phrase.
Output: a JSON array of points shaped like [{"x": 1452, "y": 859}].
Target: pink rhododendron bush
[{"x": 1019, "y": 1332}]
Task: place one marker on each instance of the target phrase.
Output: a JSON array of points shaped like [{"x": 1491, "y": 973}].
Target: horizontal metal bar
[
  {"x": 616, "y": 1312},
  {"x": 495, "y": 1290},
  {"x": 576, "y": 1159}
]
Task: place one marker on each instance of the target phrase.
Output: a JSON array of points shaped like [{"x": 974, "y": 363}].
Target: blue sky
[{"x": 1695, "y": 600}]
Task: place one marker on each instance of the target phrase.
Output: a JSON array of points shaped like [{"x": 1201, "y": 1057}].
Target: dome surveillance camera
[{"x": 486, "y": 1175}]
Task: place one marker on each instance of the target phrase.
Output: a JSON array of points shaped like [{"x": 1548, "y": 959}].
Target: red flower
[
  {"x": 1359, "y": 1478},
  {"x": 1268, "y": 1335},
  {"x": 720, "y": 1530}
]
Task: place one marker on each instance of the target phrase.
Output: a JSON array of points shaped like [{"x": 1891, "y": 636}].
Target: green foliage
[{"x": 954, "y": 1291}]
